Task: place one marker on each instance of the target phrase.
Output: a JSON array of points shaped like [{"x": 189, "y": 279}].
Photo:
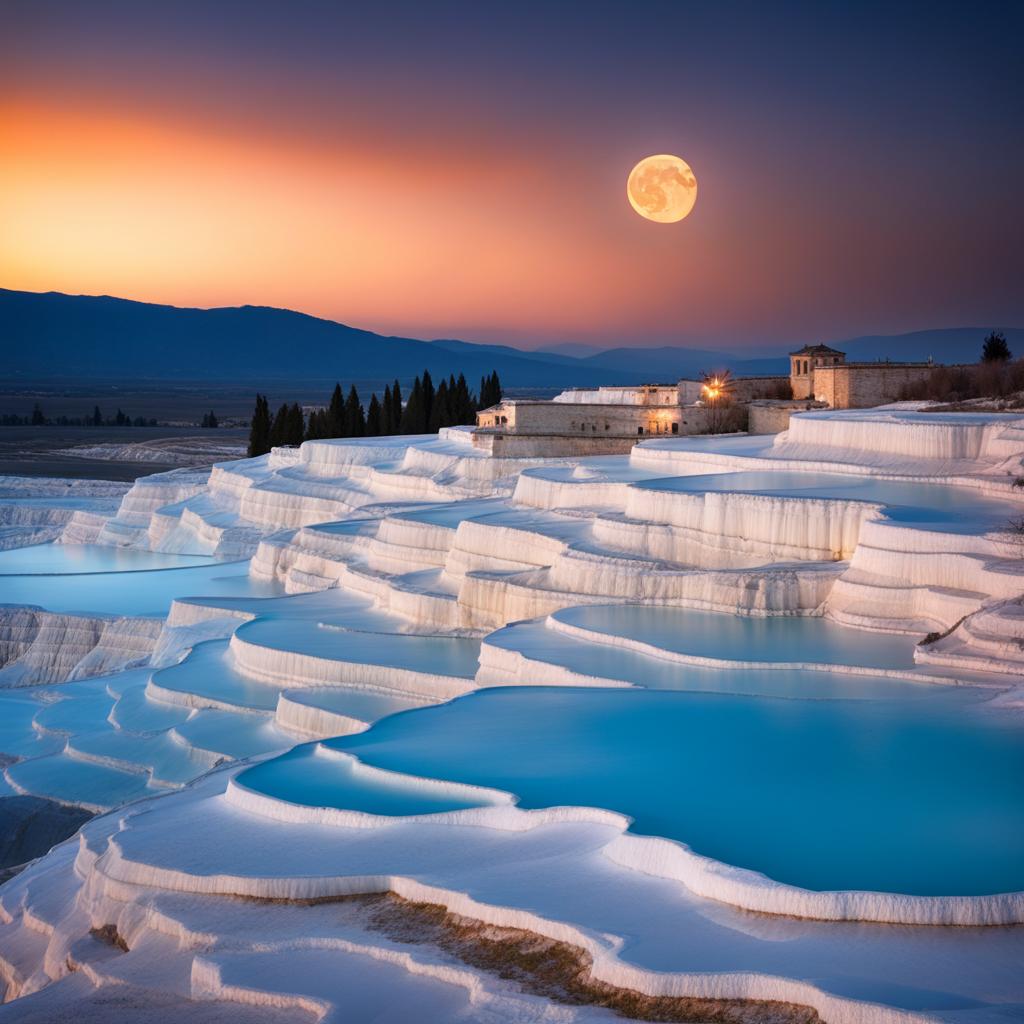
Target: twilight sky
[{"x": 459, "y": 169}]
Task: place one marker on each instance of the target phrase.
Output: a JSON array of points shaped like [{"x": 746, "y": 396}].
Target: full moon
[{"x": 662, "y": 188}]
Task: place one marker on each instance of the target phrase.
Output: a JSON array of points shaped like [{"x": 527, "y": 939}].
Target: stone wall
[
  {"x": 531, "y": 446},
  {"x": 863, "y": 385},
  {"x": 578, "y": 418},
  {"x": 772, "y": 417},
  {"x": 549, "y": 429},
  {"x": 645, "y": 394},
  {"x": 748, "y": 389}
]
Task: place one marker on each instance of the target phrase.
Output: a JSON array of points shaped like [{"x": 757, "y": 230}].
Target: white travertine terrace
[
  {"x": 392, "y": 574},
  {"x": 36, "y": 510},
  {"x": 37, "y": 646}
]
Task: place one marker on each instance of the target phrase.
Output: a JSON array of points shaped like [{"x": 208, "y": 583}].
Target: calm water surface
[{"x": 919, "y": 796}]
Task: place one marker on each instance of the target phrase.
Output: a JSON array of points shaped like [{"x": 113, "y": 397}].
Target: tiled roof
[{"x": 817, "y": 350}]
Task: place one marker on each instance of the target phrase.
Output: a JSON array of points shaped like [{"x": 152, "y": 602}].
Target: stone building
[
  {"x": 821, "y": 373},
  {"x": 804, "y": 362},
  {"x": 607, "y": 420},
  {"x": 597, "y": 426}
]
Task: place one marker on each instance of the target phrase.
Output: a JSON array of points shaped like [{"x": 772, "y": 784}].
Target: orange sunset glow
[
  {"x": 465, "y": 178},
  {"x": 177, "y": 213}
]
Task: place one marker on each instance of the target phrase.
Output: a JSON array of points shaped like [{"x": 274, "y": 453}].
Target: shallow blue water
[
  {"x": 538, "y": 642},
  {"x": 596, "y": 469},
  {"x": 946, "y": 508},
  {"x": 365, "y": 705},
  {"x": 921, "y": 797},
  {"x": 444, "y": 655},
  {"x": 79, "y": 558},
  {"x": 208, "y": 672},
  {"x": 145, "y": 592},
  {"x": 452, "y": 515},
  {"x": 329, "y": 782},
  {"x": 70, "y": 780},
  {"x": 746, "y": 638}
]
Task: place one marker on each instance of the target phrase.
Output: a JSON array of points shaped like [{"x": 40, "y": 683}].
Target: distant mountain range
[
  {"x": 55, "y": 335},
  {"x": 52, "y": 335},
  {"x": 944, "y": 345}
]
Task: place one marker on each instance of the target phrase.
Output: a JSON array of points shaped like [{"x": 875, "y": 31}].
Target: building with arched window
[
  {"x": 805, "y": 361},
  {"x": 822, "y": 374}
]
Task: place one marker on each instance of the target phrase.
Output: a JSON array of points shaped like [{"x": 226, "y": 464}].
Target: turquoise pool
[
  {"x": 785, "y": 638},
  {"x": 917, "y": 797},
  {"x": 933, "y": 506},
  {"x": 142, "y": 591},
  {"x": 328, "y": 781},
  {"x": 58, "y": 559}
]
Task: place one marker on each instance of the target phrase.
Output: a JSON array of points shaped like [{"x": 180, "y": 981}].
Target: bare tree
[{"x": 718, "y": 391}]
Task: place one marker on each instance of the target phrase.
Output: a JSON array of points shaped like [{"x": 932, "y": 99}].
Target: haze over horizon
[
  {"x": 582, "y": 348},
  {"x": 465, "y": 178}
]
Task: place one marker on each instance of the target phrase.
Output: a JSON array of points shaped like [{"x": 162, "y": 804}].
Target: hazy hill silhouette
[
  {"x": 52, "y": 334},
  {"x": 944, "y": 345},
  {"x": 49, "y": 334}
]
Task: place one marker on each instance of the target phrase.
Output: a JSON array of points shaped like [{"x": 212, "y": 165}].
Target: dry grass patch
[{"x": 558, "y": 971}]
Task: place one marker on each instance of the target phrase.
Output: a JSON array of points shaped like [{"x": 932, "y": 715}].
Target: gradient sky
[{"x": 459, "y": 170}]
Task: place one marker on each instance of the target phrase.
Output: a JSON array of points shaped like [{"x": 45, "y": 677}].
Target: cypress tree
[
  {"x": 451, "y": 402},
  {"x": 373, "y": 417},
  {"x": 355, "y": 420},
  {"x": 279, "y": 427},
  {"x": 385, "y": 413},
  {"x": 490, "y": 390},
  {"x": 413, "y": 418},
  {"x": 296, "y": 425},
  {"x": 334, "y": 423},
  {"x": 428, "y": 401},
  {"x": 259, "y": 428},
  {"x": 396, "y": 408},
  {"x": 439, "y": 412},
  {"x": 313, "y": 426},
  {"x": 463, "y": 408}
]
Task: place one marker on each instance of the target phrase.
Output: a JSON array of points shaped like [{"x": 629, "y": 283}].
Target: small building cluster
[
  {"x": 821, "y": 373},
  {"x": 608, "y": 420}
]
